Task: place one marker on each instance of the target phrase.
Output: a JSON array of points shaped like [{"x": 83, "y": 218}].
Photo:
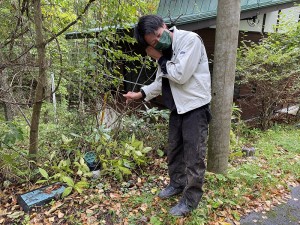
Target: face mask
[{"x": 164, "y": 42}]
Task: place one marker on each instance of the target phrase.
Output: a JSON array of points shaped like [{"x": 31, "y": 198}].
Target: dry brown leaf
[
  {"x": 144, "y": 207},
  {"x": 164, "y": 210},
  {"x": 51, "y": 219},
  {"x": 83, "y": 217},
  {"x": 125, "y": 221},
  {"x": 91, "y": 220},
  {"x": 139, "y": 180},
  {"x": 95, "y": 207},
  {"x": 114, "y": 195},
  {"x": 89, "y": 211},
  {"x": 3, "y": 212},
  {"x": 54, "y": 207},
  {"x": 60, "y": 214},
  {"x": 180, "y": 221},
  {"x": 222, "y": 213}
]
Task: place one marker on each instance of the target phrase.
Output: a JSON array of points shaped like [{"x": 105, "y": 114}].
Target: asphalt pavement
[{"x": 284, "y": 214}]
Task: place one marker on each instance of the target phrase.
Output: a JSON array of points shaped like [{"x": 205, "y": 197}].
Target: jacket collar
[{"x": 175, "y": 36}]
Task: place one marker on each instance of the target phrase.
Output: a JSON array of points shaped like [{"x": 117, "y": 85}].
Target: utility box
[{"x": 91, "y": 161}]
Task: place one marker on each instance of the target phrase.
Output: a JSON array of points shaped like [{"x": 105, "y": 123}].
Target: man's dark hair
[{"x": 147, "y": 25}]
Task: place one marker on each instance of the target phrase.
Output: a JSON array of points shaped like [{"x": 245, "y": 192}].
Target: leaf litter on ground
[{"x": 135, "y": 201}]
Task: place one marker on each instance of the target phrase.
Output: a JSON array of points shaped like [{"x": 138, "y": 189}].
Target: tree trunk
[
  {"x": 41, "y": 80},
  {"x": 9, "y": 109},
  {"x": 228, "y": 18}
]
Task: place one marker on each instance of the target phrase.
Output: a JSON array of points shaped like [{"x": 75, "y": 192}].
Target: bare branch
[
  {"x": 56, "y": 35},
  {"x": 70, "y": 24}
]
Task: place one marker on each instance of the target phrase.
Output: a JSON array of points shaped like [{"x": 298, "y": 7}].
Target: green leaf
[
  {"x": 82, "y": 184},
  {"x": 65, "y": 139},
  {"x": 216, "y": 204},
  {"x": 69, "y": 181},
  {"x": 79, "y": 172},
  {"x": 155, "y": 220},
  {"x": 78, "y": 189},
  {"x": 108, "y": 152},
  {"x": 147, "y": 149},
  {"x": 85, "y": 168},
  {"x": 44, "y": 173},
  {"x": 125, "y": 170},
  {"x": 75, "y": 135},
  {"x": 160, "y": 153},
  {"x": 97, "y": 137},
  {"x": 52, "y": 155},
  {"x": 138, "y": 153},
  {"x": 82, "y": 161},
  {"x": 41, "y": 181},
  {"x": 66, "y": 192}
]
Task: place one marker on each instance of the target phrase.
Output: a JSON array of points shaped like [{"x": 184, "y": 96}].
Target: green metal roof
[
  {"x": 197, "y": 14},
  {"x": 189, "y": 11}
]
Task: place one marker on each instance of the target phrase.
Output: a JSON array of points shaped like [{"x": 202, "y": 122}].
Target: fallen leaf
[
  {"x": 224, "y": 223},
  {"x": 91, "y": 220},
  {"x": 180, "y": 221},
  {"x": 114, "y": 195},
  {"x": 154, "y": 190},
  {"x": 164, "y": 210},
  {"x": 88, "y": 211},
  {"x": 125, "y": 221},
  {"x": 3, "y": 212},
  {"x": 144, "y": 207},
  {"x": 60, "y": 214},
  {"x": 16, "y": 215},
  {"x": 95, "y": 207},
  {"x": 54, "y": 208}
]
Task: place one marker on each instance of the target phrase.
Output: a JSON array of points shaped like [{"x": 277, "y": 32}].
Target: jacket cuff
[
  {"x": 143, "y": 93},
  {"x": 163, "y": 64}
]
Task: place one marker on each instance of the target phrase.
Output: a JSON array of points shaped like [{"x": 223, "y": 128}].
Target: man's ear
[{"x": 165, "y": 26}]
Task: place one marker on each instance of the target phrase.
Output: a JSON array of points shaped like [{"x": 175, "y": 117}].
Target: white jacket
[{"x": 188, "y": 73}]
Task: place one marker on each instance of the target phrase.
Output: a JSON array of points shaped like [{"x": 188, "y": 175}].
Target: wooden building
[{"x": 258, "y": 18}]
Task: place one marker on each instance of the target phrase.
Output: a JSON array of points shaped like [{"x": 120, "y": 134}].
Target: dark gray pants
[{"x": 187, "y": 151}]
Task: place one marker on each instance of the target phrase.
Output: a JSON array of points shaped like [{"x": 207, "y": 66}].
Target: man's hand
[
  {"x": 152, "y": 52},
  {"x": 132, "y": 96}
]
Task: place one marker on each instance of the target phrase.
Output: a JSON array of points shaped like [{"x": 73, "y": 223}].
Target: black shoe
[
  {"x": 169, "y": 191},
  {"x": 181, "y": 209}
]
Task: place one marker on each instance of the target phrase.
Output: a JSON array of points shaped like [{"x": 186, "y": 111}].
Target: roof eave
[{"x": 194, "y": 23}]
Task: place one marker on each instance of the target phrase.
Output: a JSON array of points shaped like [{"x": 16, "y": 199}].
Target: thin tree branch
[
  {"x": 57, "y": 34},
  {"x": 70, "y": 24},
  {"x": 23, "y": 114},
  {"x": 14, "y": 37}
]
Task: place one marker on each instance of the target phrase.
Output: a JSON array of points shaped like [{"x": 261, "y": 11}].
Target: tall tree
[
  {"x": 41, "y": 81},
  {"x": 40, "y": 44},
  {"x": 228, "y": 18}
]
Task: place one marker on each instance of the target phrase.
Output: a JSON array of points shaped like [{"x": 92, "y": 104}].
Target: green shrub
[{"x": 271, "y": 70}]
